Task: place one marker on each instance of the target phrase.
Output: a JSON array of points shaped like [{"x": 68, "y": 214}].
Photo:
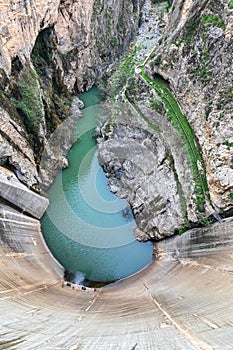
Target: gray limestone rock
[{"x": 135, "y": 162}]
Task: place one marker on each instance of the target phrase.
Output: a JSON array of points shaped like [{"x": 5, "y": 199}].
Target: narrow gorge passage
[
  {"x": 87, "y": 228},
  {"x": 50, "y": 53}
]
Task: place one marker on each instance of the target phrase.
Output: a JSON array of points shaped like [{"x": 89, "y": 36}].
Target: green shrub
[
  {"x": 230, "y": 92},
  {"x": 190, "y": 30},
  {"x": 182, "y": 230},
  {"x": 230, "y": 4},
  {"x": 124, "y": 74},
  {"x": 119, "y": 25},
  {"x": 228, "y": 144},
  {"x": 157, "y": 1}
]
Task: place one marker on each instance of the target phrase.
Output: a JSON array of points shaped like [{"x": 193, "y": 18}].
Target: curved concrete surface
[{"x": 184, "y": 300}]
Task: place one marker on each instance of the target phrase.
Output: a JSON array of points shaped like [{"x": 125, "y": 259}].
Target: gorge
[
  {"x": 165, "y": 142},
  {"x": 86, "y": 227}
]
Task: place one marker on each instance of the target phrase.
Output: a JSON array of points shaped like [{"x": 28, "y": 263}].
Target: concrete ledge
[
  {"x": 12, "y": 190},
  {"x": 199, "y": 242}
]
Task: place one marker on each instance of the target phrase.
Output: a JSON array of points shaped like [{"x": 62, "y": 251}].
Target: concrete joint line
[
  {"x": 193, "y": 340},
  {"x": 20, "y": 222}
]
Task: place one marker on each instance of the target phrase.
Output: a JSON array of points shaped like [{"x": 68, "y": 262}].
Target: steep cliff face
[
  {"x": 21, "y": 22},
  {"x": 195, "y": 55},
  {"x": 88, "y": 34},
  {"x": 50, "y": 51},
  {"x": 91, "y": 35}
]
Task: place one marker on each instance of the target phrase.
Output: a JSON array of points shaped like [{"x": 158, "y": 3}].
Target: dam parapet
[
  {"x": 78, "y": 287},
  {"x": 16, "y": 193}
]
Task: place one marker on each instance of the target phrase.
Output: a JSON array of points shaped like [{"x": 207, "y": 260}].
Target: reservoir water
[{"x": 88, "y": 229}]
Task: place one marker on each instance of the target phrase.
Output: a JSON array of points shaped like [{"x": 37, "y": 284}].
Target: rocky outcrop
[
  {"x": 15, "y": 148},
  {"x": 144, "y": 156},
  {"x": 91, "y": 35},
  {"x": 20, "y": 24},
  {"x": 139, "y": 166},
  {"x": 195, "y": 55}
]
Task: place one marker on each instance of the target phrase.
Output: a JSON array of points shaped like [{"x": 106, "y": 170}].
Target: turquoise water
[{"x": 87, "y": 228}]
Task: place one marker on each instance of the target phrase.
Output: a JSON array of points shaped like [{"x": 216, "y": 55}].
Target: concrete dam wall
[{"x": 183, "y": 300}]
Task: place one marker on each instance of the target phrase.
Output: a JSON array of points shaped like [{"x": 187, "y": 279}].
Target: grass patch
[
  {"x": 182, "y": 230},
  {"x": 213, "y": 20}
]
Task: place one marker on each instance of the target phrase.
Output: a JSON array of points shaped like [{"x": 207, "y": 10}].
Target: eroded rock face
[
  {"x": 89, "y": 34},
  {"x": 15, "y": 149},
  {"x": 196, "y": 57},
  {"x": 21, "y": 22}
]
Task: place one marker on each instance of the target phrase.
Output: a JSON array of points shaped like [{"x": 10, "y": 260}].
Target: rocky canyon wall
[
  {"x": 189, "y": 173},
  {"x": 195, "y": 55},
  {"x": 49, "y": 51}
]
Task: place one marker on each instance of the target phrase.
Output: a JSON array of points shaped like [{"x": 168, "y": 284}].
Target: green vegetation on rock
[
  {"x": 30, "y": 103},
  {"x": 213, "y": 20},
  {"x": 157, "y": 1},
  {"x": 190, "y": 30},
  {"x": 192, "y": 26},
  {"x": 181, "y": 124},
  {"x": 124, "y": 74},
  {"x": 141, "y": 115},
  {"x": 56, "y": 98},
  {"x": 230, "y": 4},
  {"x": 157, "y": 105}
]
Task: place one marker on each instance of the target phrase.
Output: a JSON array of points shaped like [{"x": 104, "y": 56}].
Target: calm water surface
[{"x": 87, "y": 228}]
